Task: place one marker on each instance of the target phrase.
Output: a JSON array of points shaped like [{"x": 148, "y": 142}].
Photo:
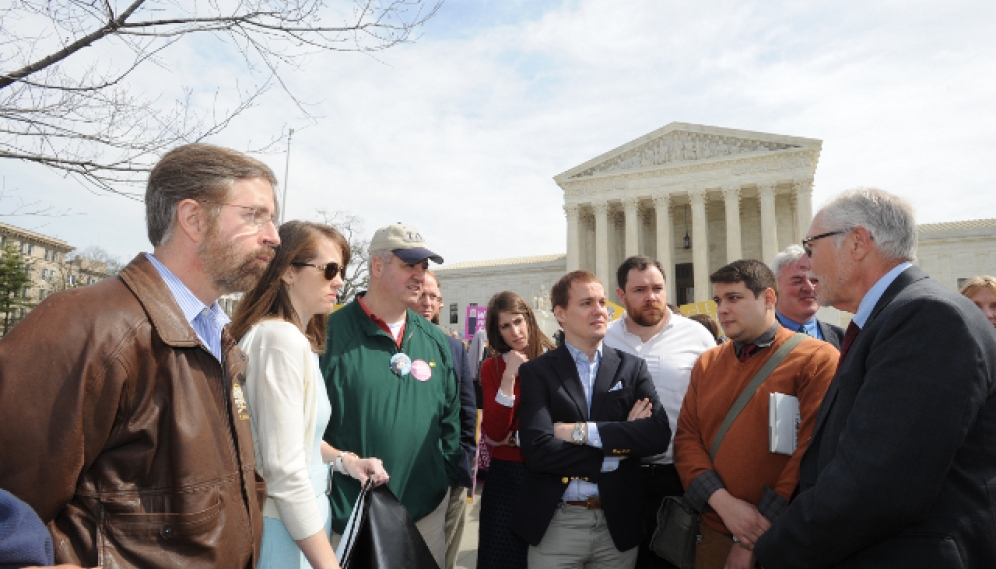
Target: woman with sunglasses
[
  {"x": 280, "y": 325},
  {"x": 516, "y": 337}
]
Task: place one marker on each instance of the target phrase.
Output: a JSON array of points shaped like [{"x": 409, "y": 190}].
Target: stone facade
[
  {"x": 47, "y": 265},
  {"x": 474, "y": 283},
  {"x": 45, "y": 261},
  {"x": 733, "y": 193},
  {"x": 950, "y": 252},
  {"x": 955, "y": 251}
]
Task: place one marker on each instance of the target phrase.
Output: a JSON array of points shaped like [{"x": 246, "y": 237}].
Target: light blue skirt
[{"x": 279, "y": 550}]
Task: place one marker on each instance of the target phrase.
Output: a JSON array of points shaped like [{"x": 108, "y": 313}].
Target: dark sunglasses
[
  {"x": 808, "y": 240},
  {"x": 331, "y": 269}
]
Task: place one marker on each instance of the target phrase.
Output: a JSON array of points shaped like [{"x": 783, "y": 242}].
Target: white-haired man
[
  {"x": 899, "y": 471},
  {"x": 797, "y": 304}
]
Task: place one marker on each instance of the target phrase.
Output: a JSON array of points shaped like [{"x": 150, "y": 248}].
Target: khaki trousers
[
  {"x": 454, "y": 523},
  {"x": 578, "y": 538},
  {"x": 432, "y": 528},
  {"x": 712, "y": 551}
]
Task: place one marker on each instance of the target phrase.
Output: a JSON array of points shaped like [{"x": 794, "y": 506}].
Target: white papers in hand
[{"x": 783, "y": 423}]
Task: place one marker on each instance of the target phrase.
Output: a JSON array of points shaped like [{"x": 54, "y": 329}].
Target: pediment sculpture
[{"x": 683, "y": 147}]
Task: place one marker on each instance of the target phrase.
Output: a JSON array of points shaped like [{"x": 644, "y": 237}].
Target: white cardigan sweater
[{"x": 282, "y": 382}]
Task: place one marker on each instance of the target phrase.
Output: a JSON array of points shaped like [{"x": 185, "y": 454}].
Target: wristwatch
[
  {"x": 579, "y": 435},
  {"x": 338, "y": 463}
]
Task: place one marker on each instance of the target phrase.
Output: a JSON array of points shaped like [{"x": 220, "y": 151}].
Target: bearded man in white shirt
[{"x": 670, "y": 344}]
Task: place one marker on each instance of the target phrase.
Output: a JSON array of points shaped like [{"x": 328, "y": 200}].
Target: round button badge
[
  {"x": 421, "y": 370},
  {"x": 401, "y": 364}
]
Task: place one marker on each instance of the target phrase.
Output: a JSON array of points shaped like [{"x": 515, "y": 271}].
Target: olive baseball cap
[{"x": 404, "y": 241}]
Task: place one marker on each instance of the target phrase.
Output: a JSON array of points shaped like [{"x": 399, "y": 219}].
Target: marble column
[
  {"x": 662, "y": 206},
  {"x": 573, "y": 237},
  {"x": 632, "y": 220},
  {"x": 804, "y": 206},
  {"x": 731, "y": 197},
  {"x": 769, "y": 221},
  {"x": 794, "y": 209},
  {"x": 602, "y": 242},
  {"x": 700, "y": 245}
]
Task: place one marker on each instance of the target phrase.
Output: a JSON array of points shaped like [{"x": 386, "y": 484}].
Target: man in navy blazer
[
  {"x": 429, "y": 304},
  {"x": 901, "y": 468},
  {"x": 587, "y": 416},
  {"x": 797, "y": 304}
]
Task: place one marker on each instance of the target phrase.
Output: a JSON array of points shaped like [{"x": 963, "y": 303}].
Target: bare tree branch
[
  {"x": 351, "y": 226},
  {"x": 85, "y": 41},
  {"x": 63, "y": 107}
]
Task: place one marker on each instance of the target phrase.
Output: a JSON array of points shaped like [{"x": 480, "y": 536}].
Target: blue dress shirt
[
  {"x": 579, "y": 490},
  {"x": 875, "y": 293},
  {"x": 811, "y": 327},
  {"x": 207, "y": 322}
]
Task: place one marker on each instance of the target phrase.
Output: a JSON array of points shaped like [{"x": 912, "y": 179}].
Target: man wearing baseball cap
[{"x": 394, "y": 393}]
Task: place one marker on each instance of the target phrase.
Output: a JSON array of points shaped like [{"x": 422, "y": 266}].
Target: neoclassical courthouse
[{"x": 695, "y": 197}]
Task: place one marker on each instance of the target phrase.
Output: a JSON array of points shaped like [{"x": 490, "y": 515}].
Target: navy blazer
[
  {"x": 901, "y": 468},
  {"x": 468, "y": 410},
  {"x": 551, "y": 392}
]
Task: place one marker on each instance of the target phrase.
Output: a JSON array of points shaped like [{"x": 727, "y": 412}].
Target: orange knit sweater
[{"x": 743, "y": 461}]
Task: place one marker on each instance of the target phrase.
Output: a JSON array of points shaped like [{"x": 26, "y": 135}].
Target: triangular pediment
[{"x": 679, "y": 143}]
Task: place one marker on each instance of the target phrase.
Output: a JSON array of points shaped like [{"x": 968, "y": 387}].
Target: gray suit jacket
[
  {"x": 901, "y": 468},
  {"x": 831, "y": 334}
]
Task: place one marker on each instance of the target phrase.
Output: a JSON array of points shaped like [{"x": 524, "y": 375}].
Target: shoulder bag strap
[{"x": 751, "y": 389}]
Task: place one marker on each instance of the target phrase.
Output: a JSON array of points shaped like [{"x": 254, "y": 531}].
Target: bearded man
[
  {"x": 670, "y": 344},
  {"x": 122, "y": 420}
]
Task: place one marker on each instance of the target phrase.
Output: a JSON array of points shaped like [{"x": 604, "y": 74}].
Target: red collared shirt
[{"x": 380, "y": 321}]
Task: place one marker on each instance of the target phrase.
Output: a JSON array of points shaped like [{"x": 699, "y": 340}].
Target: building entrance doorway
[{"x": 684, "y": 283}]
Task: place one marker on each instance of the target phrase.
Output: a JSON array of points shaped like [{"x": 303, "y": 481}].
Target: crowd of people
[{"x": 141, "y": 428}]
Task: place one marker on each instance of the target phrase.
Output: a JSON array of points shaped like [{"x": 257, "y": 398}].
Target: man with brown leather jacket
[{"x": 122, "y": 421}]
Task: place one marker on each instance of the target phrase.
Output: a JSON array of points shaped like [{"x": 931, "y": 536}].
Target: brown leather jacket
[{"x": 125, "y": 434}]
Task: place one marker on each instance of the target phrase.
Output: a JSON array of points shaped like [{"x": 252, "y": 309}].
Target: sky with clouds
[{"x": 461, "y": 132}]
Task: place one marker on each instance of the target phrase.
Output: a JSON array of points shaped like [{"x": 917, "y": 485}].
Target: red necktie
[
  {"x": 849, "y": 336},
  {"x": 746, "y": 352}
]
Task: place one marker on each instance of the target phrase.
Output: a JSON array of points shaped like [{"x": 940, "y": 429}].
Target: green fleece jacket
[{"x": 410, "y": 424}]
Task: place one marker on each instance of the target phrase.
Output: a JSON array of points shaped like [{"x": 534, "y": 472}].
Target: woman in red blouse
[{"x": 515, "y": 336}]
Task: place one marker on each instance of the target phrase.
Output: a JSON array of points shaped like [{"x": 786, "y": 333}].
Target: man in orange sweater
[{"x": 745, "y": 488}]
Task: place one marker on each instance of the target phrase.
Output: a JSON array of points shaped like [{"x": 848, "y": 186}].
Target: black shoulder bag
[{"x": 677, "y": 522}]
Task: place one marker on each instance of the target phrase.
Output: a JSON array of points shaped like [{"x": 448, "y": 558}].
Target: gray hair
[
  {"x": 201, "y": 172},
  {"x": 382, "y": 254},
  {"x": 791, "y": 254},
  {"x": 888, "y": 218}
]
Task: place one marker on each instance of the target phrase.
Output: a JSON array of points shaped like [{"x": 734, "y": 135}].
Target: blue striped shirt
[
  {"x": 579, "y": 490},
  {"x": 207, "y": 322}
]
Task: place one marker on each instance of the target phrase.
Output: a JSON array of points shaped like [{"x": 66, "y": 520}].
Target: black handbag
[
  {"x": 384, "y": 536},
  {"x": 677, "y": 529},
  {"x": 676, "y": 533}
]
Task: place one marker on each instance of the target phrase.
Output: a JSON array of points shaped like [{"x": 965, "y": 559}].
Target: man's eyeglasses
[
  {"x": 260, "y": 216},
  {"x": 808, "y": 240},
  {"x": 331, "y": 269},
  {"x": 434, "y": 299}
]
